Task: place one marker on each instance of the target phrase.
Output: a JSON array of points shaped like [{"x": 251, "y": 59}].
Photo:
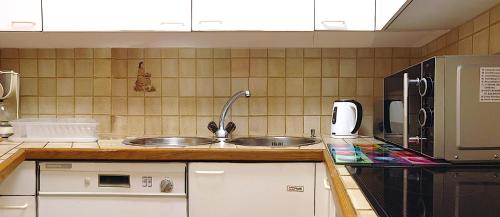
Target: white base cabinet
[
  {"x": 326, "y": 202},
  {"x": 17, "y": 206},
  {"x": 18, "y": 192},
  {"x": 251, "y": 189}
]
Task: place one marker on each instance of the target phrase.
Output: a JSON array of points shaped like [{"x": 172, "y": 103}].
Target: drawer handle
[
  {"x": 210, "y": 21},
  {"x": 219, "y": 172},
  {"x": 326, "y": 184},
  {"x": 15, "y": 207},
  {"x": 22, "y": 24},
  {"x": 172, "y": 23}
]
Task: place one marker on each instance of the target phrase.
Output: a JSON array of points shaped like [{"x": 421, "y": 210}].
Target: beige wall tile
[
  {"x": 326, "y": 124},
  {"x": 495, "y": 39},
  {"x": 65, "y": 53},
  {"x": 170, "y": 53},
  {"x": 28, "y": 67},
  {"x": 240, "y": 67},
  {"x": 102, "y": 67},
  {"x": 65, "y": 68},
  {"x": 46, "y": 53},
  {"x": 347, "y": 87},
  {"x": 294, "y": 86},
  {"x": 187, "y": 87},
  {"x": 9, "y": 64},
  {"x": 294, "y": 106},
  {"x": 204, "y": 106},
  {"x": 241, "y": 126},
  {"x": 347, "y": 67},
  {"x": 327, "y": 105},
  {"x": 170, "y": 125},
  {"x": 383, "y": 52},
  {"x": 347, "y": 52},
  {"x": 240, "y": 52},
  {"x": 480, "y": 42},
  {"x": 312, "y": 105},
  {"x": 101, "y": 53},
  {"x": 65, "y": 105},
  {"x": 258, "y": 67},
  {"x": 238, "y": 84},
  {"x": 276, "y": 105},
  {"x": 276, "y": 67},
  {"x": 257, "y": 125},
  {"x": 204, "y": 67},
  {"x": 312, "y": 86},
  {"x": 135, "y": 125},
  {"x": 330, "y": 67},
  {"x": 152, "y": 53},
  {"x": 46, "y": 67},
  {"x": 222, "y": 67},
  {"x": 187, "y": 67},
  {"x": 276, "y": 86},
  {"x": 312, "y": 122},
  {"x": 312, "y": 52},
  {"x": 312, "y": 67},
  {"x": 204, "y": 87},
  {"x": 84, "y": 86},
  {"x": 465, "y": 46},
  {"x": 258, "y": 106},
  {"x": 84, "y": 53},
  {"x": 383, "y": 67},
  {"x": 495, "y": 14},
  {"x": 222, "y": 53},
  {"x": 187, "y": 126},
  {"x": 47, "y": 87},
  {"x": 365, "y": 67},
  {"x": 222, "y": 87},
  {"x": 102, "y": 105},
  {"x": 204, "y": 53},
  {"x": 119, "y": 125},
  {"x": 28, "y": 53},
  {"x": 329, "y": 86},
  {"x": 135, "y": 105},
  {"x": 400, "y": 63},
  {"x": 466, "y": 29},
  {"x": 294, "y": 52},
  {"x": 47, "y": 105},
  {"x": 187, "y": 106},
  {"x": 258, "y": 86},
  {"x": 152, "y": 125},
  {"x": 170, "y": 67},
  {"x": 104, "y": 123},
  {"x": 330, "y": 52},
  {"x": 240, "y": 107},
  {"x": 294, "y": 67},
  {"x": 294, "y": 125},
  {"x": 187, "y": 53},
  {"x": 119, "y": 87},
  {"x": 29, "y": 86},
  {"x": 365, "y": 52},
  {"x": 201, "y": 126},
  {"x": 481, "y": 22},
  {"x": 28, "y": 105},
  {"x": 258, "y": 52},
  {"x": 102, "y": 87},
  {"x": 85, "y": 68},
  {"x": 65, "y": 86},
  {"x": 153, "y": 66},
  {"x": 119, "y": 106},
  {"x": 170, "y": 86},
  {"x": 135, "y": 53},
  {"x": 364, "y": 87},
  {"x": 276, "y": 52},
  {"x": 152, "y": 106},
  {"x": 170, "y": 106},
  {"x": 276, "y": 125}
]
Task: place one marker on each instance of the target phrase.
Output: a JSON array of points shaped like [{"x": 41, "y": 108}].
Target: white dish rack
[{"x": 54, "y": 130}]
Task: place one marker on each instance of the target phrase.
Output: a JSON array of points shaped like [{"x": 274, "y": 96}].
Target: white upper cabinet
[
  {"x": 124, "y": 15},
  {"x": 253, "y": 15},
  {"x": 357, "y": 15},
  {"x": 20, "y": 15}
]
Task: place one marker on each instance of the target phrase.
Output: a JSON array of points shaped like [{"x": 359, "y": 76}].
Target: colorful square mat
[{"x": 382, "y": 154}]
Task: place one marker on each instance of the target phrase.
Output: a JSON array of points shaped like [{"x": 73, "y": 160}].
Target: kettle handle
[{"x": 359, "y": 115}]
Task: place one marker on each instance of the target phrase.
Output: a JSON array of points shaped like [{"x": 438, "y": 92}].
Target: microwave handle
[{"x": 406, "y": 85}]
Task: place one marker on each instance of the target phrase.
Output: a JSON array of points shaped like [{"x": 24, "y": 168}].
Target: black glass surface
[{"x": 449, "y": 191}]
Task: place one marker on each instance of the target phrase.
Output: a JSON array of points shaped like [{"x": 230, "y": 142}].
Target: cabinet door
[
  {"x": 22, "y": 181},
  {"x": 258, "y": 15},
  {"x": 21, "y": 15},
  {"x": 125, "y": 15},
  {"x": 17, "y": 206},
  {"x": 251, "y": 189},
  {"x": 345, "y": 15}
]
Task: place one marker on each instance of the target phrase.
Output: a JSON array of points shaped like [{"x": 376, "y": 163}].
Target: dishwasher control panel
[{"x": 161, "y": 178}]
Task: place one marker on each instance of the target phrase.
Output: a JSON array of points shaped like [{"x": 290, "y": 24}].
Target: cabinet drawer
[
  {"x": 22, "y": 181},
  {"x": 17, "y": 206}
]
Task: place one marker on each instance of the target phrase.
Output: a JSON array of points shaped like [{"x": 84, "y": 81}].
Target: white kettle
[{"x": 346, "y": 118}]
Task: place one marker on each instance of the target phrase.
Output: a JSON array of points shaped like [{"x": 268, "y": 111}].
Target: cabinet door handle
[
  {"x": 210, "y": 172},
  {"x": 210, "y": 21},
  {"x": 15, "y": 207},
  {"x": 22, "y": 24},
  {"x": 326, "y": 184},
  {"x": 334, "y": 24},
  {"x": 172, "y": 23}
]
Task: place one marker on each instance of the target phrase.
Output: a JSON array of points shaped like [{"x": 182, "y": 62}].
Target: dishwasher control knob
[{"x": 166, "y": 185}]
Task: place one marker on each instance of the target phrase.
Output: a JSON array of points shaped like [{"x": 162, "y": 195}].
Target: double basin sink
[{"x": 268, "y": 141}]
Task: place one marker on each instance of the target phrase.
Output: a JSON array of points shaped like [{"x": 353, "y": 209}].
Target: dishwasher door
[{"x": 82, "y": 189}]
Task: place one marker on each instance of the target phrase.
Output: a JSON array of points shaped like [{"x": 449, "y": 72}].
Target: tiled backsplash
[
  {"x": 292, "y": 89},
  {"x": 479, "y": 36}
]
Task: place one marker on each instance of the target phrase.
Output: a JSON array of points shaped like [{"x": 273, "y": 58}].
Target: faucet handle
[
  {"x": 212, "y": 126},
  {"x": 230, "y": 127}
]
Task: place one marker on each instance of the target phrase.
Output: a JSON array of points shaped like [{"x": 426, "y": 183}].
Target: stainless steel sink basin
[
  {"x": 278, "y": 141},
  {"x": 169, "y": 141}
]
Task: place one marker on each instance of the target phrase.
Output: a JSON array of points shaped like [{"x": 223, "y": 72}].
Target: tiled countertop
[{"x": 358, "y": 200}]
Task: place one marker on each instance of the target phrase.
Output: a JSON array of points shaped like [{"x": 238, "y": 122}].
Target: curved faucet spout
[{"x": 221, "y": 132}]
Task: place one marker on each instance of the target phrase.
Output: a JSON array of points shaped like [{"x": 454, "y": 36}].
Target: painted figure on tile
[{"x": 143, "y": 82}]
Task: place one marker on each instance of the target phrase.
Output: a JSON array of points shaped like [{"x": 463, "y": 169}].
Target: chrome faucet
[{"x": 221, "y": 131}]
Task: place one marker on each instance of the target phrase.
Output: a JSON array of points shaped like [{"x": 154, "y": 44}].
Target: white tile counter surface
[{"x": 359, "y": 201}]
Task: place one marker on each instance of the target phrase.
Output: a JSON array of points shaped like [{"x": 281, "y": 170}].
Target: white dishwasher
[{"x": 82, "y": 189}]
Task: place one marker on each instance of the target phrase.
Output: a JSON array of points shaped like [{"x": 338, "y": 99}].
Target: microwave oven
[{"x": 446, "y": 107}]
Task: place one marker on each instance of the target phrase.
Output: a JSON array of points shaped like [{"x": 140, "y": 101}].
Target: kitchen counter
[{"x": 350, "y": 197}]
